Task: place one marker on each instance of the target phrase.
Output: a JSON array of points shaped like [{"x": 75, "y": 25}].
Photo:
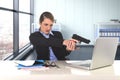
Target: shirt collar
[
  {"x": 51, "y": 33},
  {"x": 48, "y": 34}
]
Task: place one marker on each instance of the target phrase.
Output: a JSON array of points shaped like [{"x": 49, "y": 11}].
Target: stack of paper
[{"x": 30, "y": 64}]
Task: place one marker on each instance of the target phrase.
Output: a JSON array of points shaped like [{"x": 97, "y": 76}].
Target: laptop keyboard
[
  {"x": 86, "y": 65},
  {"x": 81, "y": 62}
]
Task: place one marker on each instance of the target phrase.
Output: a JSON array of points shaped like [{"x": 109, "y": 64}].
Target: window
[
  {"x": 24, "y": 22},
  {"x": 24, "y": 29},
  {"x": 24, "y": 5},
  {"x": 6, "y": 4},
  {"x": 16, "y": 18},
  {"x": 6, "y": 33}
]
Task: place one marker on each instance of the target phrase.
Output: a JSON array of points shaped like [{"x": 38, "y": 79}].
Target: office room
[{"x": 89, "y": 32}]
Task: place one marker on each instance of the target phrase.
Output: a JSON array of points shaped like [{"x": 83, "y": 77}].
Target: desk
[{"x": 9, "y": 71}]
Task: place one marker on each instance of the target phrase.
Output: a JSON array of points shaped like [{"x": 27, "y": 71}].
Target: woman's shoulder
[
  {"x": 57, "y": 33},
  {"x": 35, "y": 33}
]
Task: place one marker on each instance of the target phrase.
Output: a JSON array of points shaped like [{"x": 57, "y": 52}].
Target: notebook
[{"x": 103, "y": 54}]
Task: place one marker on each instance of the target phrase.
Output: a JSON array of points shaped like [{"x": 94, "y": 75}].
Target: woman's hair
[{"x": 46, "y": 15}]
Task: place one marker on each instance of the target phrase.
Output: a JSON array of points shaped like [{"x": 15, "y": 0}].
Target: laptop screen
[{"x": 104, "y": 51}]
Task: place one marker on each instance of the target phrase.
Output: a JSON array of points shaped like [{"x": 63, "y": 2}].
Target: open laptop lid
[{"x": 104, "y": 52}]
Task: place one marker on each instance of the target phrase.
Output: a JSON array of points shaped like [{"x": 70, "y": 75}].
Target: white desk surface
[{"x": 9, "y": 71}]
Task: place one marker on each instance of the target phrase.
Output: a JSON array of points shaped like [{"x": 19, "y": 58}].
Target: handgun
[{"x": 81, "y": 39}]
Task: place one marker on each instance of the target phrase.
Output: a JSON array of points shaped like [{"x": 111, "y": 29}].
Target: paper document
[
  {"x": 26, "y": 63},
  {"x": 30, "y": 63}
]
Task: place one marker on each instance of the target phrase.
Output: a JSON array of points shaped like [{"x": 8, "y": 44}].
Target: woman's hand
[{"x": 70, "y": 44}]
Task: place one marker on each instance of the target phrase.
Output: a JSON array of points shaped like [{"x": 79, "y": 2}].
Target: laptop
[{"x": 103, "y": 54}]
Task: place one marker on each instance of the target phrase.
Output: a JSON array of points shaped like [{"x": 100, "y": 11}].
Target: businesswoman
[{"x": 48, "y": 44}]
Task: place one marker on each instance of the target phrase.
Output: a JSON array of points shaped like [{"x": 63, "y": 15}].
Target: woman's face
[{"x": 46, "y": 26}]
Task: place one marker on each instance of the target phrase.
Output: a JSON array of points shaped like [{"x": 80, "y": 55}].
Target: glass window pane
[
  {"x": 24, "y": 5},
  {"x": 24, "y": 29},
  {"x": 6, "y": 4},
  {"x": 6, "y": 33}
]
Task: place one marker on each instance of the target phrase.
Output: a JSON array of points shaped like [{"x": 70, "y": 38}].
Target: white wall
[{"x": 79, "y": 16}]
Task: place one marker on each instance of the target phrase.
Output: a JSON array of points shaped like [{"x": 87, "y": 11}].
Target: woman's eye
[{"x": 46, "y": 24}]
